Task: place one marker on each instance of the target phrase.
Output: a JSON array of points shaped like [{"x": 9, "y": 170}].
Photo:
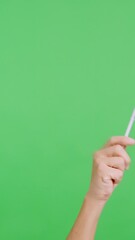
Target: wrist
[{"x": 93, "y": 205}]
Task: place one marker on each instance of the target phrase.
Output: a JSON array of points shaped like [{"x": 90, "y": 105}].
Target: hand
[{"x": 109, "y": 164}]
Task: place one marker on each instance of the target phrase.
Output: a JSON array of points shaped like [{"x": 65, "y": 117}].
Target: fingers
[
  {"x": 113, "y": 174},
  {"x": 115, "y": 151},
  {"x": 115, "y": 162},
  {"x": 109, "y": 164},
  {"x": 121, "y": 140}
]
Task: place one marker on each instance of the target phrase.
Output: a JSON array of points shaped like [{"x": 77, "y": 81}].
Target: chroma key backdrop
[{"x": 67, "y": 84}]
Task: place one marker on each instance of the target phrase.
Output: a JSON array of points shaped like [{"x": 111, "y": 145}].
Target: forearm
[
  {"x": 86, "y": 222},
  {"x": 109, "y": 164}
]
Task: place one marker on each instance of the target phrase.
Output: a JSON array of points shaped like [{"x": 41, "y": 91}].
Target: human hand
[{"x": 109, "y": 164}]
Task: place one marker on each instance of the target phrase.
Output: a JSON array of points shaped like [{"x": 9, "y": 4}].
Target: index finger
[{"x": 121, "y": 140}]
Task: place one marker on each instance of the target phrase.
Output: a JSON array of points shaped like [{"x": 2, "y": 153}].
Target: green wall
[{"x": 67, "y": 84}]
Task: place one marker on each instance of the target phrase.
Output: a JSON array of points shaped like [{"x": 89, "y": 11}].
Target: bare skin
[{"x": 109, "y": 164}]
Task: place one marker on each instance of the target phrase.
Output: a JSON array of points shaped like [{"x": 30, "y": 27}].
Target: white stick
[{"x": 132, "y": 119}]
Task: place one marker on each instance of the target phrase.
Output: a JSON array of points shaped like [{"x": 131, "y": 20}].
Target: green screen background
[{"x": 67, "y": 84}]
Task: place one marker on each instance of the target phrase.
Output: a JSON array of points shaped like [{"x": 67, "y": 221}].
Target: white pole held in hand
[{"x": 132, "y": 119}]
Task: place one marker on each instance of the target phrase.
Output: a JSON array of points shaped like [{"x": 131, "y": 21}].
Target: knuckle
[
  {"x": 118, "y": 148},
  {"x": 120, "y": 175},
  {"x": 122, "y": 163},
  {"x": 128, "y": 160}
]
